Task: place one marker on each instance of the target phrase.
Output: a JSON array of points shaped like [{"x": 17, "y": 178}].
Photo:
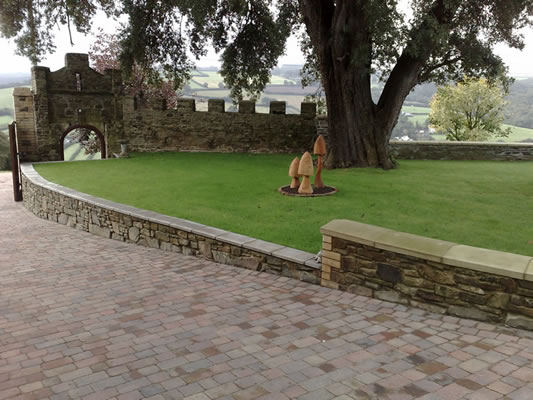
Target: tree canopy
[
  {"x": 146, "y": 83},
  {"x": 472, "y": 110},
  {"x": 404, "y": 42}
]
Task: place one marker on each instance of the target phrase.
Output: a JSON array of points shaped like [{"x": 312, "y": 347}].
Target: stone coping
[
  {"x": 460, "y": 144},
  {"x": 478, "y": 259},
  {"x": 261, "y": 246}
]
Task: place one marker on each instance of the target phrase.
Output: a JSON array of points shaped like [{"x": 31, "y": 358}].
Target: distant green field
[
  {"x": 415, "y": 110},
  {"x": 420, "y": 119},
  {"x": 214, "y": 78},
  {"x": 6, "y": 97},
  {"x": 518, "y": 134},
  {"x": 4, "y": 150},
  {"x": 293, "y": 101},
  {"x": 4, "y": 121}
]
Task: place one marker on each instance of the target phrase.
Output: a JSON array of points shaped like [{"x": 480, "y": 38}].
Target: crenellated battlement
[
  {"x": 149, "y": 126},
  {"x": 185, "y": 105}
]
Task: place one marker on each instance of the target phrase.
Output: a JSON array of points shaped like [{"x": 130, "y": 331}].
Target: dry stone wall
[
  {"x": 146, "y": 228},
  {"x": 436, "y": 276},
  {"x": 462, "y": 151}
]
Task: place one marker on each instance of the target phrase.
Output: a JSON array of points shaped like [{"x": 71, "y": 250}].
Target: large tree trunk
[
  {"x": 359, "y": 129},
  {"x": 358, "y": 134}
]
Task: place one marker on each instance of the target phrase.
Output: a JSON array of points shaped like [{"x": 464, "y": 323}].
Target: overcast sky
[{"x": 520, "y": 62}]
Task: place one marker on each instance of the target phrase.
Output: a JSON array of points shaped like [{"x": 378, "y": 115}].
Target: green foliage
[
  {"x": 450, "y": 38},
  {"x": 470, "y": 211},
  {"x": 31, "y": 22},
  {"x": 145, "y": 81},
  {"x": 472, "y": 110}
]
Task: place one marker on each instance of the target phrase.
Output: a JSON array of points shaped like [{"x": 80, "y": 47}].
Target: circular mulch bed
[{"x": 317, "y": 192}]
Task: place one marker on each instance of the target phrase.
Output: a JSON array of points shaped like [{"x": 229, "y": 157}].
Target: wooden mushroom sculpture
[
  {"x": 305, "y": 169},
  {"x": 293, "y": 173},
  {"x": 320, "y": 150}
]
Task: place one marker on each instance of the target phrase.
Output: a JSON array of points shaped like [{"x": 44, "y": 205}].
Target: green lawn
[{"x": 484, "y": 204}]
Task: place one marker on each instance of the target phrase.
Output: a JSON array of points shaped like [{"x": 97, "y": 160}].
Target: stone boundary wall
[
  {"x": 461, "y": 151},
  {"x": 434, "y": 275},
  {"x": 116, "y": 221},
  {"x": 151, "y": 128}
]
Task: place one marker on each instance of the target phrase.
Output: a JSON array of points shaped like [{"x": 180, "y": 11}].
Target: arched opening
[{"x": 82, "y": 142}]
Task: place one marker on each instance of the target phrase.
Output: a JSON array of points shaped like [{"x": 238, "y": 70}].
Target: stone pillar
[
  {"x": 330, "y": 263},
  {"x": 216, "y": 105},
  {"x": 46, "y": 144},
  {"x": 278, "y": 107},
  {"x": 247, "y": 107},
  {"x": 23, "y": 113}
]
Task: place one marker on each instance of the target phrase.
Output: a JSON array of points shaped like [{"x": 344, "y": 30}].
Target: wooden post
[{"x": 15, "y": 165}]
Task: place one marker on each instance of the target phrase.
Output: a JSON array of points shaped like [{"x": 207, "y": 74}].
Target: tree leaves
[{"x": 473, "y": 110}]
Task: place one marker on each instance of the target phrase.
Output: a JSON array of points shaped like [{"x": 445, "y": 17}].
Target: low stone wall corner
[{"x": 434, "y": 275}]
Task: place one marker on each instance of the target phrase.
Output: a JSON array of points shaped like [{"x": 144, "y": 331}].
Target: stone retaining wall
[
  {"x": 434, "y": 275},
  {"x": 146, "y": 228},
  {"x": 461, "y": 151}
]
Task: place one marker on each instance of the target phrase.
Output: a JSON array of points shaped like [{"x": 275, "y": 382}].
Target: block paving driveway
[{"x": 84, "y": 317}]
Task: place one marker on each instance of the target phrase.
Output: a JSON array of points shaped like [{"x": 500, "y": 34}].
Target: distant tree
[
  {"x": 472, "y": 110},
  {"x": 221, "y": 85},
  {"x": 145, "y": 82}
]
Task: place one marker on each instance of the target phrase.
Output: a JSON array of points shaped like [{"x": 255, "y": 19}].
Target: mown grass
[{"x": 484, "y": 204}]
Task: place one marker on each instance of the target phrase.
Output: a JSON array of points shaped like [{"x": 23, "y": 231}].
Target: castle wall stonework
[
  {"x": 151, "y": 130},
  {"x": 74, "y": 95}
]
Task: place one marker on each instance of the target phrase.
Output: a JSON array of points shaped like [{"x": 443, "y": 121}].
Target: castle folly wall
[{"x": 185, "y": 129}]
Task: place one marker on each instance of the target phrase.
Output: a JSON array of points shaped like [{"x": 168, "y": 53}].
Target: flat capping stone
[
  {"x": 460, "y": 144},
  {"x": 453, "y": 254},
  {"x": 21, "y": 91}
]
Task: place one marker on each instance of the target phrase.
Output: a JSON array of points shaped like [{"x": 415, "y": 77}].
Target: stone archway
[{"x": 85, "y": 126}]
